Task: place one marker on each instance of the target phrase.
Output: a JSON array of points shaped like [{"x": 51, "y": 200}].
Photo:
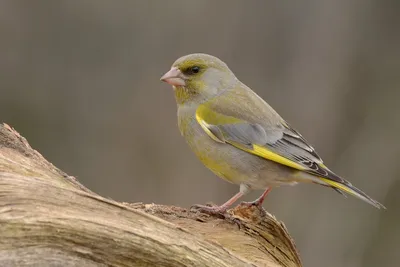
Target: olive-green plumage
[{"x": 239, "y": 136}]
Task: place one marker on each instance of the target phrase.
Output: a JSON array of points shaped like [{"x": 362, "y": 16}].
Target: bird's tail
[{"x": 351, "y": 190}]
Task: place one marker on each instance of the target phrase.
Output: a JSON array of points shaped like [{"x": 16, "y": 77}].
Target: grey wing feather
[
  {"x": 281, "y": 139},
  {"x": 243, "y": 133},
  {"x": 293, "y": 146}
]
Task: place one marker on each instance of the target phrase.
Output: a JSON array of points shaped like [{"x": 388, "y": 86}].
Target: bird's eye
[{"x": 195, "y": 69}]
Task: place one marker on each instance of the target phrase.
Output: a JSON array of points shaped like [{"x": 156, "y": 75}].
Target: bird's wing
[{"x": 279, "y": 143}]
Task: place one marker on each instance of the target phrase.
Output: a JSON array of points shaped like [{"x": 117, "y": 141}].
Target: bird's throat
[{"x": 183, "y": 94}]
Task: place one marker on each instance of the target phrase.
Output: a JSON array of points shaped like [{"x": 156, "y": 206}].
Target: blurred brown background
[{"x": 80, "y": 80}]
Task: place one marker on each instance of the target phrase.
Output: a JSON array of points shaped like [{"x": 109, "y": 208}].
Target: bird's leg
[
  {"x": 259, "y": 201},
  {"x": 221, "y": 210},
  {"x": 214, "y": 210}
]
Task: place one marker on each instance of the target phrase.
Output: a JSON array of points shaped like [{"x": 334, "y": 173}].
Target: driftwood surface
[{"x": 47, "y": 218}]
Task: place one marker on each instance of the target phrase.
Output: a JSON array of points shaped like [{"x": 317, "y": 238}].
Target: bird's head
[{"x": 198, "y": 77}]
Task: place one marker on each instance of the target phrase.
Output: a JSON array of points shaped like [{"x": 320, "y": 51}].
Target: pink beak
[{"x": 174, "y": 77}]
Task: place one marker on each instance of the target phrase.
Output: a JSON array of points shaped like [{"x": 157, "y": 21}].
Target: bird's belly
[
  {"x": 233, "y": 164},
  {"x": 219, "y": 158}
]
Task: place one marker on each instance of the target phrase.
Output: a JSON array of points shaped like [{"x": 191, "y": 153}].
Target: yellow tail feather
[{"x": 351, "y": 190}]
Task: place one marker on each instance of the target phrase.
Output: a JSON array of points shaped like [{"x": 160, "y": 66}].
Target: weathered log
[{"x": 47, "y": 218}]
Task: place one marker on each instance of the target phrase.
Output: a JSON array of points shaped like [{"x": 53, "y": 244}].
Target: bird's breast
[{"x": 218, "y": 157}]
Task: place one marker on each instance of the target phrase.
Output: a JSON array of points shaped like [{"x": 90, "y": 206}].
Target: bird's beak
[{"x": 174, "y": 77}]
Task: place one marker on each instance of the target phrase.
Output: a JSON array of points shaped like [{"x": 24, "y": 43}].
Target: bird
[{"x": 240, "y": 137}]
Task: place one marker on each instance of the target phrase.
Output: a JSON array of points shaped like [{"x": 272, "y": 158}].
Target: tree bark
[{"x": 47, "y": 218}]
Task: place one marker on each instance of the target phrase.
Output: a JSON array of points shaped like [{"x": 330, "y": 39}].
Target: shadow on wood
[{"x": 47, "y": 218}]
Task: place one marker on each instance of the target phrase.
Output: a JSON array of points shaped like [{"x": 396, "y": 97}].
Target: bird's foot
[
  {"x": 259, "y": 201},
  {"x": 219, "y": 211}
]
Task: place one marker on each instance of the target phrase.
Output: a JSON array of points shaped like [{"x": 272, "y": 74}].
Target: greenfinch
[{"x": 241, "y": 138}]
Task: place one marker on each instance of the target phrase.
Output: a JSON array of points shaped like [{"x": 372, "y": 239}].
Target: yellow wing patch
[{"x": 269, "y": 155}]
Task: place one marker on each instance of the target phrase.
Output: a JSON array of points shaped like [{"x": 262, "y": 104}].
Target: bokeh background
[{"x": 80, "y": 80}]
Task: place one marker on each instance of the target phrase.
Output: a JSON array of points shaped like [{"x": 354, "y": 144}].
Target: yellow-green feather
[{"x": 207, "y": 115}]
